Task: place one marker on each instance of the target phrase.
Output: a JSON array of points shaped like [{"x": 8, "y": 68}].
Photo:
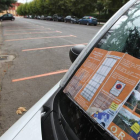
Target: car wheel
[
  {"x": 87, "y": 23},
  {"x": 95, "y": 24}
]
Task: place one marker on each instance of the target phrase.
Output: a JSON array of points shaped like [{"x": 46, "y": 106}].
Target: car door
[
  {"x": 69, "y": 18},
  {"x": 84, "y": 20},
  {"x": 5, "y": 17},
  {"x": 9, "y": 17}
]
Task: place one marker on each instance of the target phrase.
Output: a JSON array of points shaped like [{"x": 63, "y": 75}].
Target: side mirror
[{"x": 75, "y": 51}]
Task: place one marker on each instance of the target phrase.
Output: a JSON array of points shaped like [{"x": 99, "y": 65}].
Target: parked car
[
  {"x": 38, "y": 17},
  {"x": 88, "y": 20},
  {"x": 57, "y": 17},
  {"x": 7, "y": 17},
  {"x": 42, "y": 17},
  {"x": 49, "y": 18},
  {"x": 57, "y": 115},
  {"x": 71, "y": 19},
  {"x": 30, "y": 16}
]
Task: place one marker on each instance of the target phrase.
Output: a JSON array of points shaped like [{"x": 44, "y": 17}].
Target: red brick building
[{"x": 12, "y": 10}]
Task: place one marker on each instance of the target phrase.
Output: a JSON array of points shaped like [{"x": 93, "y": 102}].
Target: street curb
[{"x": 1, "y": 36}]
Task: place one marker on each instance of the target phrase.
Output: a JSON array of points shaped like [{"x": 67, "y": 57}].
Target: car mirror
[{"x": 75, "y": 51}]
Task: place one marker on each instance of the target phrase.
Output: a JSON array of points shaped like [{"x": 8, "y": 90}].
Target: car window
[
  {"x": 124, "y": 35},
  {"x": 9, "y": 15},
  {"x": 5, "y": 15}
]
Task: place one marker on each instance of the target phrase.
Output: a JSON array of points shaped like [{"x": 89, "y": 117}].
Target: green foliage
[
  {"x": 5, "y": 4},
  {"x": 71, "y": 7}
]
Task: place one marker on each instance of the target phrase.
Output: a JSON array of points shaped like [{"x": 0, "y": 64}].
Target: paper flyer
[{"x": 107, "y": 87}]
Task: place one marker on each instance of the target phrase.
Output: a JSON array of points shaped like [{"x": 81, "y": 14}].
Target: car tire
[
  {"x": 95, "y": 24},
  {"x": 87, "y": 23}
]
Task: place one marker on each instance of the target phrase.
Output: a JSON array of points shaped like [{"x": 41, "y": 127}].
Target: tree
[
  {"x": 5, "y": 4},
  {"x": 81, "y": 8},
  {"x": 70, "y": 7},
  {"x": 99, "y": 7}
]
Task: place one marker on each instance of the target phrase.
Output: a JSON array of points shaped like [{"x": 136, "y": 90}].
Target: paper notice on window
[{"x": 107, "y": 85}]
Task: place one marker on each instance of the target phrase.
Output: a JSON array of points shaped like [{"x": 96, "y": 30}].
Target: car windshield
[{"x": 124, "y": 35}]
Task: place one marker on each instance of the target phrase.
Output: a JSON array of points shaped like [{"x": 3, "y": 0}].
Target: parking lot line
[
  {"x": 33, "y": 33},
  {"x": 22, "y": 28},
  {"x": 38, "y": 76},
  {"x": 52, "y": 47},
  {"x": 28, "y": 29},
  {"x": 41, "y": 38}
]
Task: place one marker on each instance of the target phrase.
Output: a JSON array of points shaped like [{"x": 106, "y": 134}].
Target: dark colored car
[
  {"x": 7, "y": 17},
  {"x": 57, "y": 17},
  {"x": 71, "y": 19},
  {"x": 49, "y": 18},
  {"x": 88, "y": 20}
]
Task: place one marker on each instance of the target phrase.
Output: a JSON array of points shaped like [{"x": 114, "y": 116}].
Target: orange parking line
[
  {"x": 41, "y": 38},
  {"x": 33, "y": 33},
  {"x": 51, "y": 47},
  {"x": 37, "y": 76},
  {"x": 28, "y": 29},
  {"x": 8, "y": 29}
]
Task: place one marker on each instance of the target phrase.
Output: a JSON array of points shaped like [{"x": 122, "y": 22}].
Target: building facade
[{"x": 12, "y": 10}]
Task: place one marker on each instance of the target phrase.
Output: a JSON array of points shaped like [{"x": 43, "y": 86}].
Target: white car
[{"x": 59, "y": 116}]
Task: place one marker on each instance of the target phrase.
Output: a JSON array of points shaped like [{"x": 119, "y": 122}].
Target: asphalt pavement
[{"x": 34, "y": 56}]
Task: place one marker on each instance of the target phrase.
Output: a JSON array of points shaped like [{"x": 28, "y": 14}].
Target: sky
[{"x": 24, "y": 1}]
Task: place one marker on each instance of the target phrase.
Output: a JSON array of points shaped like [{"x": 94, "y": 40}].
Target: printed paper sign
[
  {"x": 117, "y": 88},
  {"x": 107, "y": 87},
  {"x": 113, "y": 106},
  {"x": 136, "y": 128}
]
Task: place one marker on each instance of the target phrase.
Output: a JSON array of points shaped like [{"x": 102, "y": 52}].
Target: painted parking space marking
[
  {"x": 41, "y": 38},
  {"x": 44, "y": 48},
  {"x": 41, "y": 75},
  {"x": 33, "y": 33},
  {"x": 27, "y": 29}
]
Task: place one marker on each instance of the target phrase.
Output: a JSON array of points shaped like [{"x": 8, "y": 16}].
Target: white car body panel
[
  {"x": 32, "y": 130},
  {"x": 15, "y": 129}
]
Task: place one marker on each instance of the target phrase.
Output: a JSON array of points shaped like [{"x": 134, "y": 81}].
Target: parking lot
[{"x": 39, "y": 51}]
